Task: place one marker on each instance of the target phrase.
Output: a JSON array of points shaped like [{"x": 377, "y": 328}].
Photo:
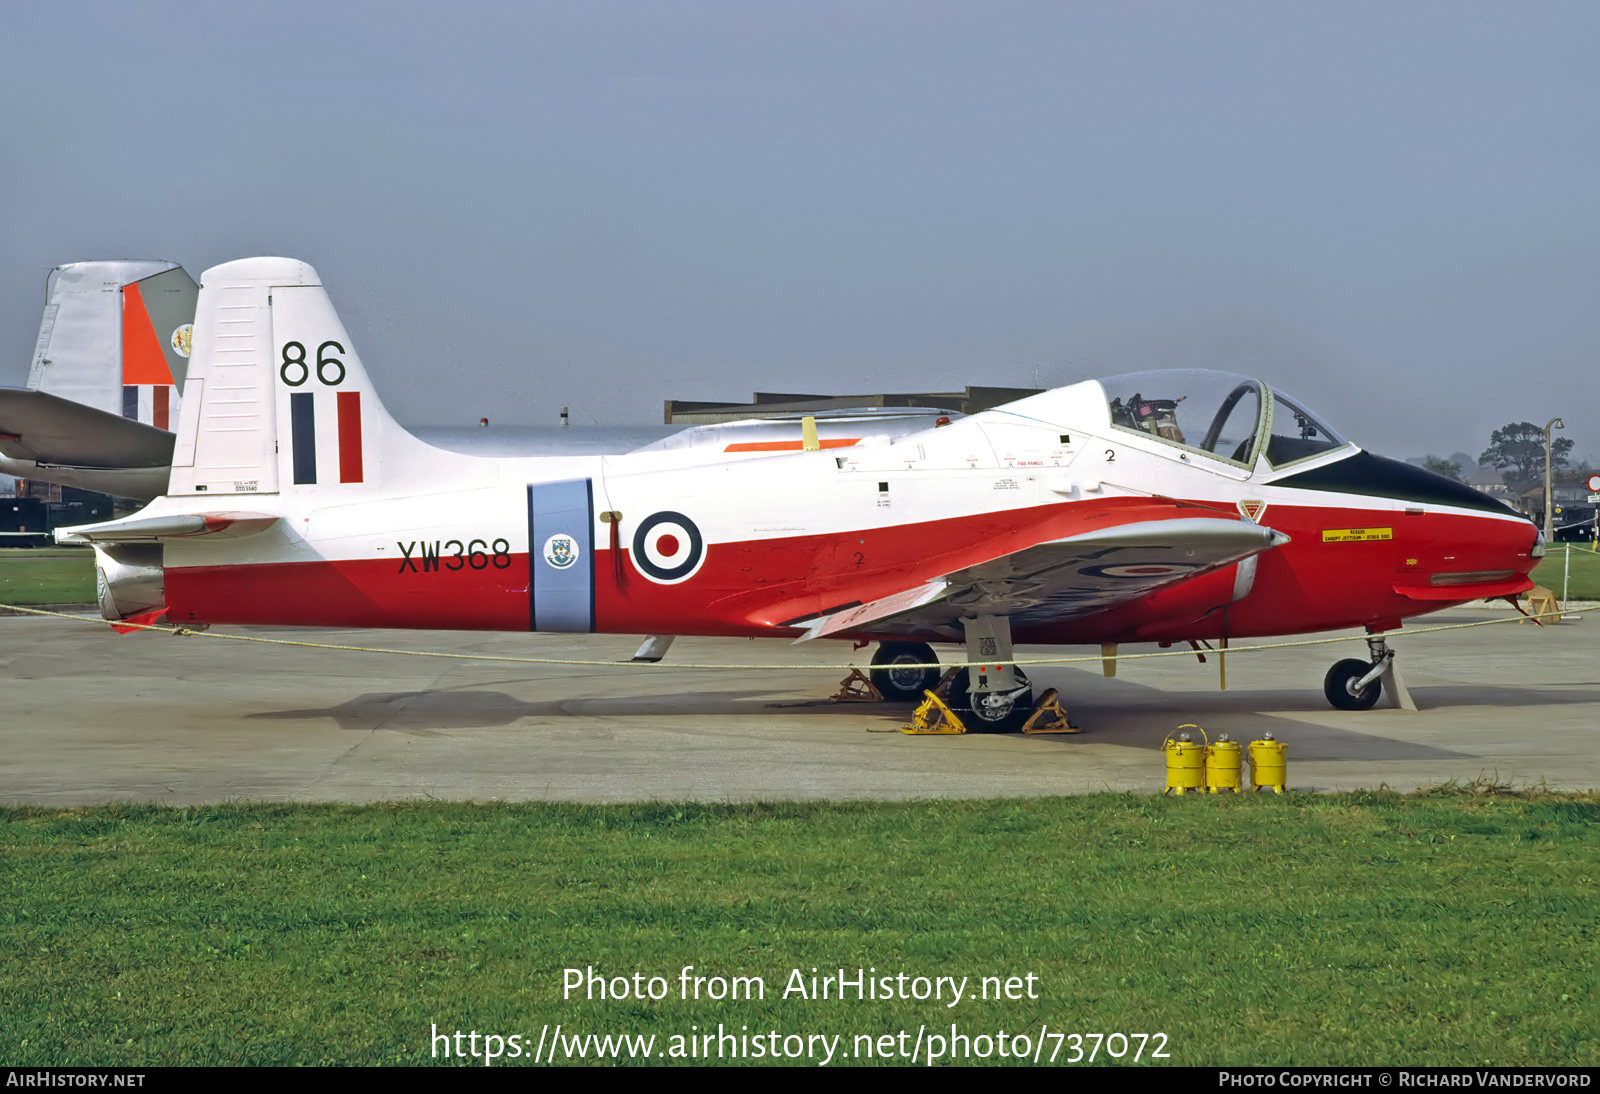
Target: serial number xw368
[{"x": 421, "y": 556}]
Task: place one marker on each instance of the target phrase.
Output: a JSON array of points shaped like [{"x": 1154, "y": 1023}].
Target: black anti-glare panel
[{"x": 1379, "y": 477}]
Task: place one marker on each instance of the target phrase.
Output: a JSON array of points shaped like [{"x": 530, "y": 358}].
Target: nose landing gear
[
  {"x": 1355, "y": 685},
  {"x": 1345, "y": 688}
]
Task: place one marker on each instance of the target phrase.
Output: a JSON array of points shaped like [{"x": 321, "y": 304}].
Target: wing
[
  {"x": 38, "y": 426},
  {"x": 46, "y": 437},
  {"x": 1061, "y": 579}
]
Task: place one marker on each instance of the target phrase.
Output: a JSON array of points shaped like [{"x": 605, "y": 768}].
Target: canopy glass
[{"x": 1226, "y": 416}]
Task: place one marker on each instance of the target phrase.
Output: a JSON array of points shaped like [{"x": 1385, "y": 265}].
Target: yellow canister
[
  {"x": 1224, "y": 762},
  {"x": 1269, "y": 764},
  {"x": 1185, "y": 761}
]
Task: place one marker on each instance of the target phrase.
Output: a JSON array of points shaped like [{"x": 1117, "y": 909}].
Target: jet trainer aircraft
[{"x": 1160, "y": 507}]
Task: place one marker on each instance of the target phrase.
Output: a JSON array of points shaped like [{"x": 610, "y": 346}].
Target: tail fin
[
  {"x": 277, "y": 399},
  {"x": 115, "y": 337},
  {"x": 102, "y": 394}
]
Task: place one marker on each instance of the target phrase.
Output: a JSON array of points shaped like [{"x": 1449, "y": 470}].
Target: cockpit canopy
[{"x": 1225, "y": 416}]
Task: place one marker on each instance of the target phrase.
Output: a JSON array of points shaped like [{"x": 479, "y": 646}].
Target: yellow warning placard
[{"x": 1355, "y": 535}]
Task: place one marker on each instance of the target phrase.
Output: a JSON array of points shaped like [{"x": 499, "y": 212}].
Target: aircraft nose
[
  {"x": 1509, "y": 545},
  {"x": 1464, "y": 558}
]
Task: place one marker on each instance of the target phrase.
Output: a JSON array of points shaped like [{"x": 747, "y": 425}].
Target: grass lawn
[
  {"x": 1365, "y": 928},
  {"x": 1585, "y": 572},
  {"x": 47, "y": 575}
]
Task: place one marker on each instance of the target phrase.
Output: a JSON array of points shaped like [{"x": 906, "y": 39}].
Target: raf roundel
[
  {"x": 667, "y": 547},
  {"x": 1137, "y": 571}
]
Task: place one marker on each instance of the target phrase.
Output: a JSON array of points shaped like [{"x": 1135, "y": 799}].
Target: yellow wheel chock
[
  {"x": 933, "y": 716},
  {"x": 1049, "y": 716},
  {"x": 857, "y": 688}
]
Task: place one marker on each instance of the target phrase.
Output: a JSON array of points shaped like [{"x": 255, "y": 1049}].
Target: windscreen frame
[
  {"x": 1244, "y": 385},
  {"x": 1264, "y": 440}
]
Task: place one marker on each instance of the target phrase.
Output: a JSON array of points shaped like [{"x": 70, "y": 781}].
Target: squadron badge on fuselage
[{"x": 560, "y": 551}]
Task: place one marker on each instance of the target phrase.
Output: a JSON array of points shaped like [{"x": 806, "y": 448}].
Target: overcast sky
[{"x": 1388, "y": 209}]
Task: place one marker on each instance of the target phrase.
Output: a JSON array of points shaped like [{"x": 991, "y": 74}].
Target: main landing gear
[
  {"x": 1356, "y": 685},
  {"x": 996, "y": 695},
  {"x": 991, "y": 711},
  {"x": 991, "y": 698},
  {"x": 898, "y": 683}
]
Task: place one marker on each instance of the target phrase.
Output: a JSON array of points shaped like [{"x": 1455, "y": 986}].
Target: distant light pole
[{"x": 1553, "y": 423}]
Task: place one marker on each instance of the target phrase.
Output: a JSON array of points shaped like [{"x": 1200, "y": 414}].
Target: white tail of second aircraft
[
  {"x": 115, "y": 337},
  {"x": 102, "y": 393},
  {"x": 277, "y": 400}
]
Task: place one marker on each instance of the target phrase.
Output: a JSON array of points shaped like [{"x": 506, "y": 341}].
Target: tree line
[{"x": 1516, "y": 450}]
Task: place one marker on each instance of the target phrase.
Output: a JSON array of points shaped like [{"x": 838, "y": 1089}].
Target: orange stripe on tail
[{"x": 142, "y": 359}]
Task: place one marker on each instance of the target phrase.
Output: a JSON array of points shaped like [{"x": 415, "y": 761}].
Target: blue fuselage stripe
[{"x": 561, "y": 556}]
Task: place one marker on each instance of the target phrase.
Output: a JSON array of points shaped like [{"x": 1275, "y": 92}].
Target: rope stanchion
[{"x": 716, "y": 667}]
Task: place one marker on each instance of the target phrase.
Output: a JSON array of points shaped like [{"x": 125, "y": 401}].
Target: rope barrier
[{"x": 187, "y": 632}]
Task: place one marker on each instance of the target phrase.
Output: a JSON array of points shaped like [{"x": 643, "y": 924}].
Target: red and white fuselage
[{"x": 324, "y": 512}]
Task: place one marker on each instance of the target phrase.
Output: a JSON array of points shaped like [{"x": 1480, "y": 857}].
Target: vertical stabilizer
[
  {"x": 278, "y": 399},
  {"x": 115, "y": 337}
]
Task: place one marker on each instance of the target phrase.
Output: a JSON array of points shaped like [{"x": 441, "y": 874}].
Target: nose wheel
[
  {"x": 1356, "y": 685},
  {"x": 1344, "y": 688}
]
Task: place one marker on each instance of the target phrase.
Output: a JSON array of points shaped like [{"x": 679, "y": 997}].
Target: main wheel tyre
[
  {"x": 897, "y": 683},
  {"x": 1336, "y": 686},
  {"x": 991, "y": 712}
]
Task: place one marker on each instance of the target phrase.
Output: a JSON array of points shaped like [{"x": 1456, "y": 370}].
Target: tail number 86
[{"x": 295, "y": 370}]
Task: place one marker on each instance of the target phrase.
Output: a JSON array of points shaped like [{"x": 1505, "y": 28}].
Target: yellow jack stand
[
  {"x": 1049, "y": 716},
  {"x": 1541, "y": 601},
  {"x": 933, "y": 716},
  {"x": 857, "y": 688},
  {"x": 1108, "y": 658}
]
